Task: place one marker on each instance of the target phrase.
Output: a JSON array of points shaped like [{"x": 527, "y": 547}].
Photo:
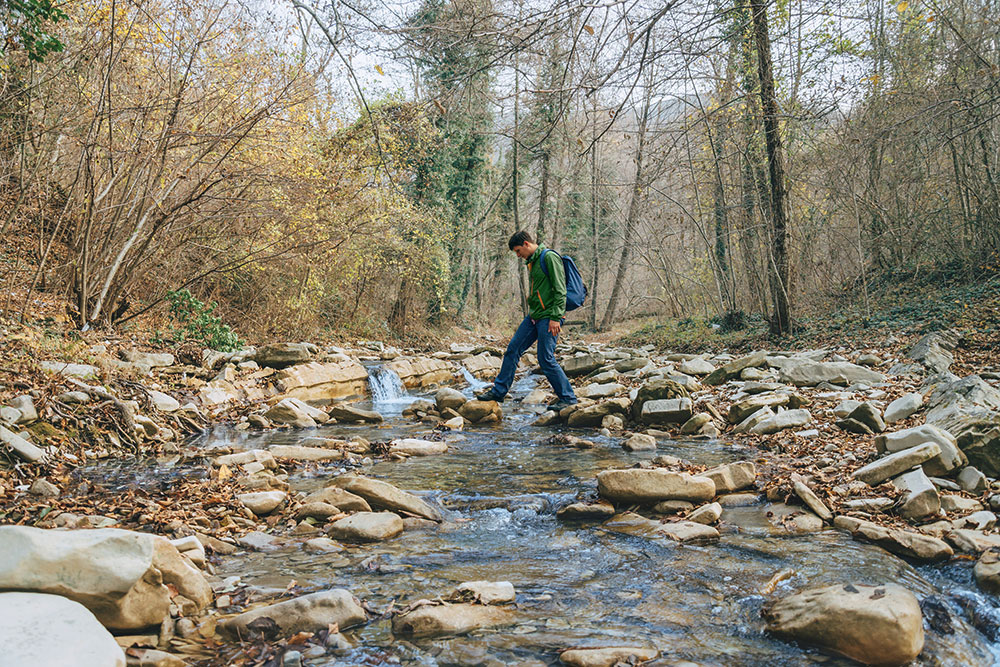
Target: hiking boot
[
  {"x": 489, "y": 395},
  {"x": 558, "y": 406}
]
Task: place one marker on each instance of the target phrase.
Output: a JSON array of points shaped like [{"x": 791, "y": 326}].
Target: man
[{"x": 546, "y": 309}]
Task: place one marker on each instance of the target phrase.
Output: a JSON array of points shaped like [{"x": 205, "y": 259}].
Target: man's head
[{"x": 522, "y": 244}]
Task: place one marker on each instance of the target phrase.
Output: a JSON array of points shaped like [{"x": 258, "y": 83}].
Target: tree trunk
[
  {"x": 543, "y": 194},
  {"x": 781, "y": 318},
  {"x": 595, "y": 218}
]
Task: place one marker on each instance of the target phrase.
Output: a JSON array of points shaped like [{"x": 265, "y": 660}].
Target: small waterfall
[
  {"x": 385, "y": 385},
  {"x": 473, "y": 381}
]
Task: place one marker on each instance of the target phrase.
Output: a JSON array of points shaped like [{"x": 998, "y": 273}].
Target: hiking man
[{"x": 546, "y": 309}]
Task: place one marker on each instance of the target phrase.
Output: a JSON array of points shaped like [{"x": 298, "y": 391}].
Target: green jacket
[{"x": 546, "y": 293}]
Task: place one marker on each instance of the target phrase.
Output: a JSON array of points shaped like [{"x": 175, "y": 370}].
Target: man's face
[{"x": 522, "y": 251}]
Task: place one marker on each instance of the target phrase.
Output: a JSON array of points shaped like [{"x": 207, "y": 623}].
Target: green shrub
[{"x": 197, "y": 324}]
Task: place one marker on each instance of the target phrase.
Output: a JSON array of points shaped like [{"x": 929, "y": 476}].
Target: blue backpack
[{"x": 576, "y": 291}]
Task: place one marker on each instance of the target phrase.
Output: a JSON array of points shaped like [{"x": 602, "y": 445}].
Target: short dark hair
[{"x": 519, "y": 238}]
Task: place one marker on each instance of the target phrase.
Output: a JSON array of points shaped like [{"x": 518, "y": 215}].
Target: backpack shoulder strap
[{"x": 541, "y": 260}]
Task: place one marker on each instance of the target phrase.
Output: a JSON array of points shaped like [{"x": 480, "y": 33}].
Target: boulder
[
  {"x": 583, "y": 511},
  {"x": 782, "y": 421},
  {"x": 449, "y": 619},
  {"x": 9, "y": 415},
  {"x": 351, "y": 414},
  {"x": 608, "y": 656},
  {"x": 811, "y": 500},
  {"x": 696, "y": 366},
  {"x": 688, "y": 531},
  {"x": 666, "y": 411},
  {"x": 582, "y": 364},
  {"x": 792, "y": 519},
  {"x": 262, "y": 502},
  {"x": 262, "y": 456},
  {"x": 280, "y": 355},
  {"x": 367, "y": 527},
  {"x": 449, "y": 398},
  {"x": 754, "y": 419},
  {"x": 731, "y": 476},
  {"x": 481, "y": 412},
  {"x": 119, "y": 575},
  {"x": 417, "y": 447},
  {"x": 26, "y": 407},
  {"x": 987, "y": 571},
  {"x": 344, "y": 500},
  {"x": 973, "y": 481},
  {"x": 482, "y": 365},
  {"x": 875, "y": 625},
  {"x": 656, "y": 390},
  {"x": 593, "y": 415},
  {"x": 633, "y": 364},
  {"x": 42, "y": 630},
  {"x": 289, "y": 411},
  {"x": 485, "y": 592},
  {"x": 920, "y": 497},
  {"x": 649, "y": 486},
  {"x": 933, "y": 351},
  {"x": 950, "y": 458},
  {"x": 734, "y": 368},
  {"x": 805, "y": 373},
  {"x": 163, "y": 402},
  {"x": 868, "y": 414},
  {"x": 903, "y": 407},
  {"x": 694, "y": 425},
  {"x": 748, "y": 406},
  {"x": 421, "y": 372},
  {"x": 595, "y": 390},
  {"x": 706, "y": 514},
  {"x": 969, "y": 409},
  {"x": 640, "y": 442},
  {"x": 308, "y": 613},
  {"x": 900, "y": 542},
  {"x": 20, "y": 446},
  {"x": 315, "y": 381},
  {"x": 897, "y": 463},
  {"x": 320, "y": 511},
  {"x": 381, "y": 494}
]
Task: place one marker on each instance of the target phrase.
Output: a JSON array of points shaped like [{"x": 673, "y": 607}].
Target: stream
[{"x": 583, "y": 584}]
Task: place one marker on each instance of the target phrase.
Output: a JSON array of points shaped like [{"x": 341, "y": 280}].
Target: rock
[
  {"x": 315, "y": 381},
  {"x": 805, "y": 373},
  {"x": 640, "y": 442},
  {"x": 485, "y": 592},
  {"x": 26, "y": 407},
  {"x": 792, "y": 519},
  {"x": 583, "y": 364},
  {"x": 754, "y": 419},
  {"x": 296, "y": 453},
  {"x": 972, "y": 541},
  {"x": 83, "y": 371},
  {"x": 280, "y": 355},
  {"x": 44, "y": 488},
  {"x": 649, "y": 486},
  {"x": 672, "y": 506},
  {"x": 696, "y": 423},
  {"x": 481, "y": 412},
  {"x": 951, "y": 456},
  {"x": 449, "y": 398},
  {"x": 593, "y": 415},
  {"x": 308, "y": 613},
  {"x": 350, "y": 414},
  {"x": 845, "y": 408},
  {"x": 734, "y": 368},
  {"x": 482, "y": 365},
  {"x": 537, "y": 397},
  {"x": 321, "y": 511},
  {"x": 384, "y": 495},
  {"x": 696, "y": 366},
  {"x": 582, "y": 511},
  {"x": 868, "y": 414},
  {"x": 607, "y": 656},
  {"x": 868, "y": 504},
  {"x": 613, "y": 422},
  {"x": 262, "y": 502},
  {"x": 688, "y": 531},
  {"x": 706, "y": 514},
  {"x": 731, "y": 476},
  {"x": 289, "y": 411},
  {"x": 738, "y": 499},
  {"x": 367, "y": 527},
  {"x": 782, "y": 421},
  {"x": 973, "y": 481},
  {"x": 448, "y": 619},
  {"x": 547, "y": 418},
  {"x": 933, "y": 351},
  {"x": 897, "y": 463},
  {"x": 748, "y": 406},
  {"x": 869, "y": 360},
  {"x": 21, "y": 447},
  {"x": 656, "y": 390},
  {"x": 901, "y": 542},
  {"x": 258, "y": 541},
  {"x": 903, "y": 407},
  {"x": 981, "y": 520},
  {"x": 969, "y": 409},
  {"x": 666, "y": 411},
  {"x": 421, "y": 372},
  {"x": 875, "y": 625},
  {"x": 811, "y": 500},
  {"x": 987, "y": 571},
  {"x": 119, "y": 575},
  {"x": 951, "y": 503},
  {"x": 163, "y": 402},
  {"x": 149, "y": 657},
  {"x": 321, "y": 545},
  {"x": 416, "y": 447},
  {"x": 633, "y": 364},
  {"x": 595, "y": 390},
  {"x": 9, "y": 415},
  {"x": 262, "y": 456},
  {"x": 344, "y": 500},
  {"x": 920, "y": 497},
  {"x": 41, "y": 630}
]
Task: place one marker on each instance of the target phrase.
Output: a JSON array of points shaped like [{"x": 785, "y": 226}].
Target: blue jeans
[{"x": 527, "y": 333}]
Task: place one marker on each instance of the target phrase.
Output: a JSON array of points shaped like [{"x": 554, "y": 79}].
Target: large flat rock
[
  {"x": 650, "y": 486},
  {"x": 449, "y": 619},
  {"x": 804, "y": 373},
  {"x": 318, "y": 381},
  {"x": 308, "y": 613},
  {"x": 383, "y": 495}
]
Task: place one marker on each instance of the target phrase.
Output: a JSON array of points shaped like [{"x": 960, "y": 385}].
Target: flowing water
[{"x": 585, "y": 584}]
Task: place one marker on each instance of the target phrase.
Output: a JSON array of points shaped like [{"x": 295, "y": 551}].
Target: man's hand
[{"x": 554, "y": 327}]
